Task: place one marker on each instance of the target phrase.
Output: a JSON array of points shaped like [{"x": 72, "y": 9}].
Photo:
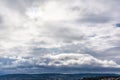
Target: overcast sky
[{"x": 63, "y": 36}]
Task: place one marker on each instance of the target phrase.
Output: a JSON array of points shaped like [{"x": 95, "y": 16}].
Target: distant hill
[
  {"x": 102, "y": 78},
  {"x": 85, "y": 76}
]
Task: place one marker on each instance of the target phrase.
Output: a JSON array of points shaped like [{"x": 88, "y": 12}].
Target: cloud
[
  {"x": 64, "y": 33},
  {"x": 78, "y": 60},
  {"x": 75, "y": 60},
  {"x": 117, "y": 25}
]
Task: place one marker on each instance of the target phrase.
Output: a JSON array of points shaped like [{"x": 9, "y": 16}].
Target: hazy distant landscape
[{"x": 86, "y": 76}]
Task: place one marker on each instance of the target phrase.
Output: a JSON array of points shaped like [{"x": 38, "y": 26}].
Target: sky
[{"x": 59, "y": 36}]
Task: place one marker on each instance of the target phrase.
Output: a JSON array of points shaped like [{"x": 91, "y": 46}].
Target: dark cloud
[
  {"x": 73, "y": 48},
  {"x": 65, "y": 34},
  {"x": 21, "y": 5},
  {"x": 6, "y": 62},
  {"x": 118, "y": 25},
  {"x": 93, "y": 18}
]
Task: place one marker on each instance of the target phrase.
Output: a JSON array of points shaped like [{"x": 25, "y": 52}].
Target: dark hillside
[{"x": 86, "y": 76}]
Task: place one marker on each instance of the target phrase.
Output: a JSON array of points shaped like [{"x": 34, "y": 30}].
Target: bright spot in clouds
[{"x": 50, "y": 11}]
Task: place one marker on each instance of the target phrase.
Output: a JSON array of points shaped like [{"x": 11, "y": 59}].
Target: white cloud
[
  {"x": 75, "y": 60},
  {"x": 53, "y": 25},
  {"x": 51, "y": 11}
]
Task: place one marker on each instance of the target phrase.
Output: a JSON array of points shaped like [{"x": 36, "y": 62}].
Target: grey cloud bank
[{"x": 38, "y": 35}]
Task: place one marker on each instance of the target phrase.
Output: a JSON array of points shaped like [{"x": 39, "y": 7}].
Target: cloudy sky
[{"x": 63, "y": 36}]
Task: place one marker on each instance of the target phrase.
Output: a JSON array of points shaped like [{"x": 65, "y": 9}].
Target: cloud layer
[{"x": 65, "y": 33}]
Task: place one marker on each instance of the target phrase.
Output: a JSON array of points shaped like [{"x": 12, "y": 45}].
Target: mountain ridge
[{"x": 55, "y": 76}]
